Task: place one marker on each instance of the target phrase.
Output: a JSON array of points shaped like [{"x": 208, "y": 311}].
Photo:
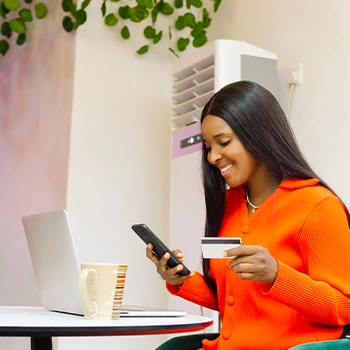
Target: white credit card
[{"x": 214, "y": 247}]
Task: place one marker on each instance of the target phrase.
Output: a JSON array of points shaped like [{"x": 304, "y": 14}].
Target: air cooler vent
[
  {"x": 192, "y": 88},
  {"x": 206, "y": 70}
]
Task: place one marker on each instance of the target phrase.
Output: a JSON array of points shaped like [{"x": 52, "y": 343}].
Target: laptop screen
[{"x": 55, "y": 261}]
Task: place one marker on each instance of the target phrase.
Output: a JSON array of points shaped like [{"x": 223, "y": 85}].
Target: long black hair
[{"x": 259, "y": 122}]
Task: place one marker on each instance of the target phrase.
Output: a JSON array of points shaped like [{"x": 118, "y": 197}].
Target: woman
[{"x": 289, "y": 282}]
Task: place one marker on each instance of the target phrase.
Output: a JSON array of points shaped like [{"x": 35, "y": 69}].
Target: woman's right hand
[{"x": 169, "y": 275}]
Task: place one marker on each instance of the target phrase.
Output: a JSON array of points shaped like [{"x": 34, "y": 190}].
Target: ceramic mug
[{"x": 102, "y": 288}]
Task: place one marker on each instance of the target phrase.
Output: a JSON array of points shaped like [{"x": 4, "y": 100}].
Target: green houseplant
[
  {"x": 188, "y": 19},
  {"x": 14, "y": 20}
]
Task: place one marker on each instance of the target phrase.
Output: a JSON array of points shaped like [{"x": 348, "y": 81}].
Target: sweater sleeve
[
  {"x": 195, "y": 290},
  {"x": 322, "y": 295}
]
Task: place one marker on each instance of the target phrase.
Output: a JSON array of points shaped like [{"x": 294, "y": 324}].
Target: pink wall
[{"x": 36, "y": 87}]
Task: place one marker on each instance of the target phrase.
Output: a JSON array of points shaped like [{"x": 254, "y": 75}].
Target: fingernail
[
  {"x": 179, "y": 267},
  {"x": 192, "y": 274},
  {"x": 225, "y": 253},
  {"x": 149, "y": 245},
  {"x": 179, "y": 255},
  {"x": 167, "y": 255}
]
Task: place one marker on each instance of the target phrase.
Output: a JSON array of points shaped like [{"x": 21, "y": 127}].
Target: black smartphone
[{"x": 159, "y": 248}]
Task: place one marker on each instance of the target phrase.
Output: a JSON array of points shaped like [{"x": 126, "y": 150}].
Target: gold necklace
[{"x": 254, "y": 207}]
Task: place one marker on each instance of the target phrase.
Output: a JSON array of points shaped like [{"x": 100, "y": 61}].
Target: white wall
[
  {"x": 120, "y": 162},
  {"x": 315, "y": 33}
]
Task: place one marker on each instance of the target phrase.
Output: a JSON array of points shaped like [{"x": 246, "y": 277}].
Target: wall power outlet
[{"x": 296, "y": 74}]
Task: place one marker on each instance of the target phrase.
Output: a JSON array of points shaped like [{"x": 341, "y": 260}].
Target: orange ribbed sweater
[{"x": 305, "y": 228}]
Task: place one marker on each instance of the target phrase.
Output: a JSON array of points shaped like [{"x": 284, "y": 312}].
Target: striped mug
[{"x": 101, "y": 287}]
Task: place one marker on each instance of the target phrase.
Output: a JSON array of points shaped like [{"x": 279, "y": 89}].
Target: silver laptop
[{"x": 57, "y": 267}]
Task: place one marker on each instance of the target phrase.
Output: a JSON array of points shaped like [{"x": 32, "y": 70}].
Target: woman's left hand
[{"x": 253, "y": 263}]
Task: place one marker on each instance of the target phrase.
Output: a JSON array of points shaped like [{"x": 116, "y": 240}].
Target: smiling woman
[
  {"x": 289, "y": 279},
  {"x": 192, "y": 22},
  {"x": 226, "y": 152}
]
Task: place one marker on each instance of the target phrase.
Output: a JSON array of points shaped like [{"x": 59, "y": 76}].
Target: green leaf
[
  {"x": 136, "y": 14},
  {"x": 4, "y": 46},
  {"x": 197, "y": 3},
  {"x": 182, "y": 43},
  {"x": 28, "y": 1},
  {"x": 3, "y": 11},
  {"x": 124, "y": 11},
  {"x": 200, "y": 40},
  {"x": 80, "y": 17},
  {"x": 198, "y": 30},
  {"x": 149, "y": 32},
  {"x": 141, "y": 3},
  {"x": 167, "y": 9},
  {"x": 149, "y": 4},
  {"x": 6, "y": 30},
  {"x": 41, "y": 10},
  {"x": 159, "y": 4},
  {"x": 85, "y": 4},
  {"x": 206, "y": 19},
  {"x": 103, "y": 9},
  {"x": 158, "y": 37},
  {"x": 179, "y": 4},
  {"x": 73, "y": 10},
  {"x": 216, "y": 4},
  {"x": 66, "y": 4},
  {"x": 172, "y": 51},
  {"x": 125, "y": 33},
  {"x": 21, "y": 39},
  {"x": 142, "y": 50},
  {"x": 189, "y": 19},
  {"x": 154, "y": 14},
  {"x": 156, "y": 10},
  {"x": 145, "y": 13},
  {"x": 26, "y": 15},
  {"x": 115, "y": 0},
  {"x": 170, "y": 35},
  {"x": 18, "y": 26},
  {"x": 145, "y": 4},
  {"x": 194, "y": 3},
  {"x": 111, "y": 20},
  {"x": 180, "y": 23},
  {"x": 11, "y": 5},
  {"x": 68, "y": 24}
]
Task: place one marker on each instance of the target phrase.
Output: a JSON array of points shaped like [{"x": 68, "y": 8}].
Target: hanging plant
[
  {"x": 14, "y": 20},
  {"x": 190, "y": 19}
]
